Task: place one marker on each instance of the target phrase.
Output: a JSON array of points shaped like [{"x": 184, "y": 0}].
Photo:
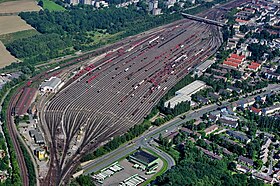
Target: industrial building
[
  {"x": 51, "y": 85},
  {"x": 37, "y": 136},
  {"x": 26, "y": 98},
  {"x": 202, "y": 67},
  {"x": 185, "y": 93},
  {"x": 40, "y": 153},
  {"x": 146, "y": 160}
]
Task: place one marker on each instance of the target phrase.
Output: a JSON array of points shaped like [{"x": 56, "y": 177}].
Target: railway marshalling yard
[{"x": 108, "y": 96}]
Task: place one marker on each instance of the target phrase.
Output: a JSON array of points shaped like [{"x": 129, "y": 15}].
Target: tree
[
  {"x": 258, "y": 164},
  {"x": 41, "y": 3},
  {"x": 232, "y": 166},
  {"x": 85, "y": 180}
]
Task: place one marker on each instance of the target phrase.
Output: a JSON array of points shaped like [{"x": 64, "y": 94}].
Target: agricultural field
[
  {"x": 5, "y": 57},
  {"x": 52, "y": 6},
  {"x": 18, "y": 6},
  {"x": 10, "y": 24}
]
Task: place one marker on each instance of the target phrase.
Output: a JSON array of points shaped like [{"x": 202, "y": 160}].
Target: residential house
[
  {"x": 243, "y": 168},
  {"x": 228, "y": 123},
  {"x": 255, "y": 110},
  {"x": 211, "y": 129},
  {"x": 260, "y": 98},
  {"x": 246, "y": 161},
  {"x": 239, "y": 136},
  {"x": 210, "y": 154},
  {"x": 234, "y": 89},
  {"x": 171, "y": 136},
  {"x": 214, "y": 96},
  {"x": 190, "y": 132},
  {"x": 272, "y": 109},
  {"x": 272, "y": 75},
  {"x": 2, "y": 154},
  {"x": 202, "y": 100},
  {"x": 266, "y": 179}
]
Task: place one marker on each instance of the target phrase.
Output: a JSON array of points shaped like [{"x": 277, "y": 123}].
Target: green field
[
  {"x": 97, "y": 37},
  {"x": 51, "y": 6},
  {"x": 8, "y": 38}
]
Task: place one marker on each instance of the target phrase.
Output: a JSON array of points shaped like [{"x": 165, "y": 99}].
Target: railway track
[
  {"x": 61, "y": 168},
  {"x": 13, "y": 134},
  {"x": 126, "y": 73}
]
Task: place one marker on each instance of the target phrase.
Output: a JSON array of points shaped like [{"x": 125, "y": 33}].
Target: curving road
[{"x": 147, "y": 138}]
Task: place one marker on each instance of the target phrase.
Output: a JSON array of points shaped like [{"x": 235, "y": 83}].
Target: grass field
[
  {"x": 99, "y": 38},
  {"x": 10, "y": 24},
  {"x": 5, "y": 57},
  {"x": 8, "y": 38},
  {"x": 18, "y": 6},
  {"x": 52, "y": 6}
]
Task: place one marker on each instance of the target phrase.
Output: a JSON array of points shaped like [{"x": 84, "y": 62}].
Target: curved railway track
[
  {"x": 115, "y": 95},
  {"x": 98, "y": 126},
  {"x": 13, "y": 134}
]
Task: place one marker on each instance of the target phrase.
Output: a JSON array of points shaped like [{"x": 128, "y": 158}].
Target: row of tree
[{"x": 133, "y": 132}]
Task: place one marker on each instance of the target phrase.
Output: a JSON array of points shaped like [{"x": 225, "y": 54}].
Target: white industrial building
[
  {"x": 203, "y": 67},
  {"x": 185, "y": 93},
  {"x": 51, "y": 85}
]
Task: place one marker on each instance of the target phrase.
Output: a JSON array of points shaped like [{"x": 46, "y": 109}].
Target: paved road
[
  {"x": 147, "y": 137},
  {"x": 144, "y": 141}
]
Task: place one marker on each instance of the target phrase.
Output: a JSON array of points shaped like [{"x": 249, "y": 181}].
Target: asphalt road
[{"x": 145, "y": 140}]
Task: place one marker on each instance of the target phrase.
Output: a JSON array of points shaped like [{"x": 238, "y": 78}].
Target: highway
[{"x": 147, "y": 138}]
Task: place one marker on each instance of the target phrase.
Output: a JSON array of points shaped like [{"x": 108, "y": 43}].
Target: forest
[
  {"x": 194, "y": 168},
  {"x": 64, "y": 32}
]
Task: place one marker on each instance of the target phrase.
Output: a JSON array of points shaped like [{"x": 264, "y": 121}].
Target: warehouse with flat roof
[
  {"x": 185, "y": 93},
  {"x": 203, "y": 66},
  {"x": 144, "y": 159},
  {"x": 51, "y": 85}
]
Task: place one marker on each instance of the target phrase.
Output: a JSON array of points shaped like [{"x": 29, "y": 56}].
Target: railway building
[
  {"x": 146, "y": 160},
  {"x": 40, "y": 153},
  {"x": 37, "y": 136},
  {"x": 26, "y": 98},
  {"x": 202, "y": 67},
  {"x": 185, "y": 93},
  {"x": 51, "y": 85}
]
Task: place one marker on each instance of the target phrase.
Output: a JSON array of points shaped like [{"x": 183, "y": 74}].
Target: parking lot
[{"x": 127, "y": 172}]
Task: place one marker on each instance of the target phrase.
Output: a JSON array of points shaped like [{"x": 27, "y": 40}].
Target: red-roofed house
[
  {"x": 234, "y": 60},
  {"x": 241, "y": 21},
  {"x": 235, "y": 56},
  {"x": 230, "y": 64},
  {"x": 255, "y": 110},
  {"x": 254, "y": 66}
]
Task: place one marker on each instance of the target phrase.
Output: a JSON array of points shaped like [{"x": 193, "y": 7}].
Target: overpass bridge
[{"x": 205, "y": 20}]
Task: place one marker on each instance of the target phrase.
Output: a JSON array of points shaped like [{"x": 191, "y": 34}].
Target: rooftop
[
  {"x": 185, "y": 93},
  {"x": 144, "y": 156},
  {"x": 246, "y": 160},
  {"x": 52, "y": 82}
]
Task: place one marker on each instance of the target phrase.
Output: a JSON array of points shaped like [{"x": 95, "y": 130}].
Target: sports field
[{"x": 19, "y": 6}]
